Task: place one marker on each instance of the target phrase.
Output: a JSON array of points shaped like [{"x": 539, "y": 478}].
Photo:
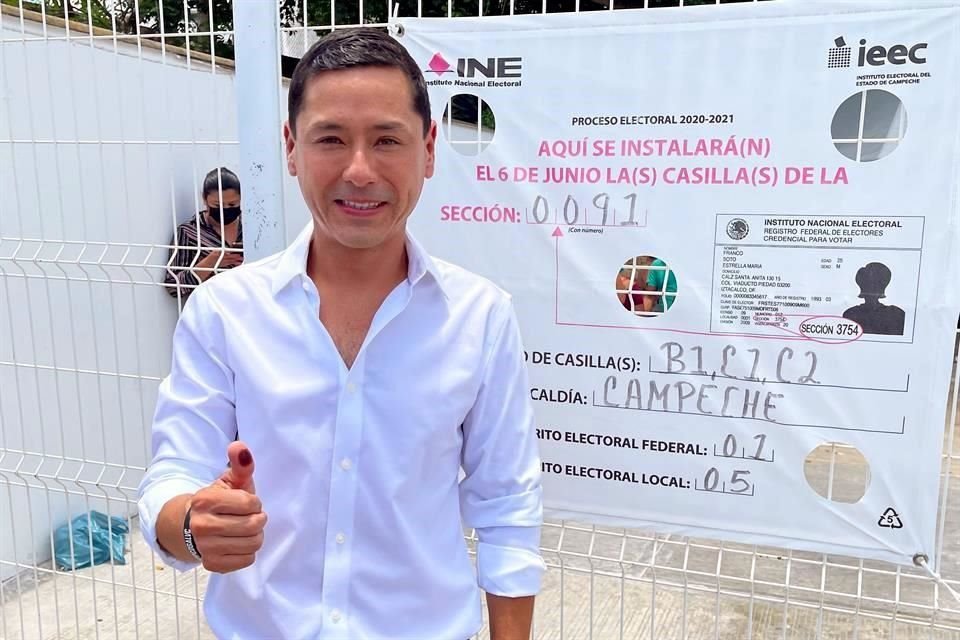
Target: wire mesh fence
[{"x": 111, "y": 114}]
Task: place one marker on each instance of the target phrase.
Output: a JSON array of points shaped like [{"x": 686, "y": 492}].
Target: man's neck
[{"x": 330, "y": 264}]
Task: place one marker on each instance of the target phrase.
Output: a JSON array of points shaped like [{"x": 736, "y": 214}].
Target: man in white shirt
[{"x": 360, "y": 376}]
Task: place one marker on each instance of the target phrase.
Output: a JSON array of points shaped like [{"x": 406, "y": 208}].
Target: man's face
[{"x": 359, "y": 154}]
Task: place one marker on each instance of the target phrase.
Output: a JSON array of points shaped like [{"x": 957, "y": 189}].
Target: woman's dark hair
[
  {"x": 351, "y": 48},
  {"x": 213, "y": 183}
]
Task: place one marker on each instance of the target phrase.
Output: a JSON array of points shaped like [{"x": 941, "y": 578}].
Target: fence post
[{"x": 259, "y": 120}]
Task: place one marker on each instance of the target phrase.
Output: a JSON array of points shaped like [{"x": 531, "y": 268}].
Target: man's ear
[
  {"x": 289, "y": 144},
  {"x": 431, "y": 146}
]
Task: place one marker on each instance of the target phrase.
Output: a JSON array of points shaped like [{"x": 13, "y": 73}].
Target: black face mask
[{"x": 225, "y": 215}]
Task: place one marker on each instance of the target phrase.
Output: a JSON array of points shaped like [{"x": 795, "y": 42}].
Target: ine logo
[
  {"x": 490, "y": 68},
  {"x": 840, "y": 56},
  {"x": 439, "y": 65}
]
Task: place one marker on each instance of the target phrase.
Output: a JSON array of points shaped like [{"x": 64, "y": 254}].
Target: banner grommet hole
[
  {"x": 838, "y": 472},
  {"x": 469, "y": 124},
  {"x": 869, "y": 125},
  {"x": 646, "y": 286}
]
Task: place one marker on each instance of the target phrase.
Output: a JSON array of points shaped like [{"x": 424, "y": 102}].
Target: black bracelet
[{"x": 188, "y": 536}]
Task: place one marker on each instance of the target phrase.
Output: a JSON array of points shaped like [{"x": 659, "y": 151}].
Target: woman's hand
[{"x": 217, "y": 261}]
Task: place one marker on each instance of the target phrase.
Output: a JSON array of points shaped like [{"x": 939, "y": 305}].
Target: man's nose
[{"x": 359, "y": 172}]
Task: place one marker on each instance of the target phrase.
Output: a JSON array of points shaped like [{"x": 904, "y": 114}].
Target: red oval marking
[{"x": 836, "y": 319}]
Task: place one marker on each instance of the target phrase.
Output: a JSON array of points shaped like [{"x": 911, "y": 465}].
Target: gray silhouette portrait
[{"x": 873, "y": 316}]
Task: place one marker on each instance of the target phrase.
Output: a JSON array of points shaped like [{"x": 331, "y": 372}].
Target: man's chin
[
  {"x": 361, "y": 241},
  {"x": 350, "y": 235}
]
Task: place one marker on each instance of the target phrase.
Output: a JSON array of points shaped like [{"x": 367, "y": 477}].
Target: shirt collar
[{"x": 293, "y": 262}]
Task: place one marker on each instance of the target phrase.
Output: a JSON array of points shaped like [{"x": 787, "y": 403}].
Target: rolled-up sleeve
[
  {"x": 501, "y": 494},
  {"x": 194, "y": 420}
]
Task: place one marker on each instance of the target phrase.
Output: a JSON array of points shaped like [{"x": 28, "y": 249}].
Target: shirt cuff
[
  {"x": 512, "y": 571},
  {"x": 152, "y": 500}
]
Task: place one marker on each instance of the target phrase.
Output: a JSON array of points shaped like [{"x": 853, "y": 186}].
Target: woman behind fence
[{"x": 211, "y": 241}]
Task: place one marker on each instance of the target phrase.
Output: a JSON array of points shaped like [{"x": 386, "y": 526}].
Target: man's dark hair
[
  {"x": 356, "y": 47},
  {"x": 227, "y": 179}
]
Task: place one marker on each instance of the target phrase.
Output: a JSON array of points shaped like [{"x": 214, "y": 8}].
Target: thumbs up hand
[
  {"x": 240, "y": 474},
  {"x": 226, "y": 518}
]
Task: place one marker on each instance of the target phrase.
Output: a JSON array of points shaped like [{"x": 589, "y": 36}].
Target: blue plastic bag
[{"x": 108, "y": 534}]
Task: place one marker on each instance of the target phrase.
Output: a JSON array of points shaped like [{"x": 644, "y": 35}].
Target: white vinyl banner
[{"x": 729, "y": 236}]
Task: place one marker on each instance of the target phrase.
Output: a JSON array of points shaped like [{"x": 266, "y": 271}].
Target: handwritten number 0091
[{"x": 571, "y": 209}]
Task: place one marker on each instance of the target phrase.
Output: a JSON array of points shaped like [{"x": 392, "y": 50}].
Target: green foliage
[{"x": 200, "y": 17}]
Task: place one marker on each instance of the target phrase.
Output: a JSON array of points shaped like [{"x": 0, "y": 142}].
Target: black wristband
[{"x": 188, "y": 536}]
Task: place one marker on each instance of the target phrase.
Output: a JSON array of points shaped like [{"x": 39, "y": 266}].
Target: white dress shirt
[{"x": 358, "y": 469}]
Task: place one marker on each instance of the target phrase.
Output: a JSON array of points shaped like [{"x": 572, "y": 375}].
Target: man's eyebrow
[
  {"x": 332, "y": 125},
  {"x": 389, "y": 125},
  {"x": 325, "y": 125}
]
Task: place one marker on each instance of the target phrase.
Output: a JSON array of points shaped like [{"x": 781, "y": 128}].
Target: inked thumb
[{"x": 240, "y": 473}]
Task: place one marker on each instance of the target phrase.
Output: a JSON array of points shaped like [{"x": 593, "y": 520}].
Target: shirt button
[
  {"x": 306, "y": 286},
  {"x": 335, "y": 616},
  {"x": 345, "y": 464},
  {"x": 341, "y": 538},
  {"x": 351, "y": 387}
]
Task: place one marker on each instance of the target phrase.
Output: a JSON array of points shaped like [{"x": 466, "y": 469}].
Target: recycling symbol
[{"x": 890, "y": 519}]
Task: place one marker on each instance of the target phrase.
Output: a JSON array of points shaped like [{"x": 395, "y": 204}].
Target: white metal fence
[{"x": 111, "y": 111}]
